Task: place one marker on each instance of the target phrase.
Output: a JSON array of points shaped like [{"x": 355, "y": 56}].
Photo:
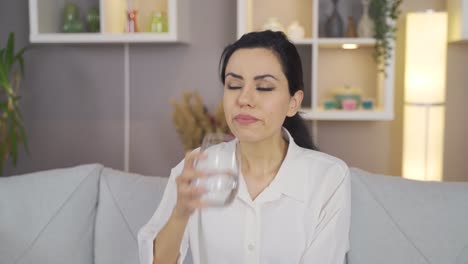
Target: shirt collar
[{"x": 290, "y": 179}]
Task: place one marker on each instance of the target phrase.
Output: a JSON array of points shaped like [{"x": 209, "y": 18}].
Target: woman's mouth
[{"x": 245, "y": 119}]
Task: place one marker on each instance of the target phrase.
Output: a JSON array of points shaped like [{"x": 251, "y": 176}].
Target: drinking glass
[{"x": 221, "y": 167}]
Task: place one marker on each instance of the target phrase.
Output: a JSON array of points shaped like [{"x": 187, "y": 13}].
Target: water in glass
[{"x": 221, "y": 167}]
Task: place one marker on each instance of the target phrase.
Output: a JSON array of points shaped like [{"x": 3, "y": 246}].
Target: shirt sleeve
[
  {"x": 330, "y": 242},
  {"x": 149, "y": 231}
]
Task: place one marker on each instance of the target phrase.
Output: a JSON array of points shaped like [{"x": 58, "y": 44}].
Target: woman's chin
[{"x": 247, "y": 136}]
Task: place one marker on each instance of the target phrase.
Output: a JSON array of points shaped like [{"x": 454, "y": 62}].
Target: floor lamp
[{"x": 424, "y": 109}]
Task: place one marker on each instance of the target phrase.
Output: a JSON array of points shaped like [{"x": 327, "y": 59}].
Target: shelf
[
  {"x": 102, "y": 38},
  {"x": 46, "y": 20},
  {"x": 338, "y": 42},
  {"x": 305, "y": 41},
  {"x": 356, "y": 115}
]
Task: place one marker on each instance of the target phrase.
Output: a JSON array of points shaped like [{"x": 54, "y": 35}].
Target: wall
[{"x": 73, "y": 97}]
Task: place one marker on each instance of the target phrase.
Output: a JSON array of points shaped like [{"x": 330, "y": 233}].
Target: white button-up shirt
[{"x": 303, "y": 216}]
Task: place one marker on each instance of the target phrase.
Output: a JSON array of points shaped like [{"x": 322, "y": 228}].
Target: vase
[
  {"x": 295, "y": 31},
  {"x": 92, "y": 19},
  {"x": 71, "y": 19},
  {"x": 273, "y": 24},
  {"x": 70, "y": 12},
  {"x": 334, "y": 23},
  {"x": 351, "y": 28},
  {"x": 366, "y": 25}
]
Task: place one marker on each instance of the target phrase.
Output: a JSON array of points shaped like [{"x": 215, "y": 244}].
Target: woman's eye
[
  {"x": 233, "y": 87},
  {"x": 264, "y": 89}
]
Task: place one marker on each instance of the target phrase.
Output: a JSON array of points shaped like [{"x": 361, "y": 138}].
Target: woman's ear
[{"x": 295, "y": 103}]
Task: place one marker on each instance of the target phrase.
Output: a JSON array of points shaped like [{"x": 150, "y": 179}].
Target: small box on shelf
[{"x": 346, "y": 74}]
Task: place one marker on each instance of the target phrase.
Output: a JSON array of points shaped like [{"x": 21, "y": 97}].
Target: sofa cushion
[
  {"x": 126, "y": 202},
  {"x": 48, "y": 216},
  {"x": 395, "y": 220}
]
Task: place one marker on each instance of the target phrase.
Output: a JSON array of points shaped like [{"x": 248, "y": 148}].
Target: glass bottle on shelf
[
  {"x": 92, "y": 19},
  {"x": 158, "y": 22},
  {"x": 71, "y": 19}
]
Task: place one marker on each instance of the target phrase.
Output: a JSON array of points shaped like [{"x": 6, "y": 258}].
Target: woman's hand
[{"x": 188, "y": 196}]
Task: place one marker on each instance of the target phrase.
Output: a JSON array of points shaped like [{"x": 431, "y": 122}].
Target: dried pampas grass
[{"x": 192, "y": 120}]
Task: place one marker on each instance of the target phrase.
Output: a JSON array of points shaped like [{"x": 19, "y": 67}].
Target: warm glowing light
[
  {"x": 425, "y": 66},
  {"x": 349, "y": 46}
]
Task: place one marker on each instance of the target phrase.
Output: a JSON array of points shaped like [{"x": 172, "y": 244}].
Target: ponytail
[{"x": 299, "y": 131}]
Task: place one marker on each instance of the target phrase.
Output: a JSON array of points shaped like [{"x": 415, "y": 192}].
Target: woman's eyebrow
[
  {"x": 234, "y": 75},
  {"x": 263, "y": 76}
]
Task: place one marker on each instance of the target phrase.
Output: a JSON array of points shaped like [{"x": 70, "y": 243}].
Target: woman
[{"x": 293, "y": 203}]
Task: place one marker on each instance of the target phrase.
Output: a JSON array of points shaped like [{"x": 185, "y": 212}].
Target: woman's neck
[{"x": 262, "y": 160}]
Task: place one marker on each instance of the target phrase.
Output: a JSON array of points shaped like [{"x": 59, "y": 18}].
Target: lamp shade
[
  {"x": 425, "y": 70},
  {"x": 426, "y": 53}
]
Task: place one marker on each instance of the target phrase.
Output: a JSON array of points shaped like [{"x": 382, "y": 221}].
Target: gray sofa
[{"x": 92, "y": 214}]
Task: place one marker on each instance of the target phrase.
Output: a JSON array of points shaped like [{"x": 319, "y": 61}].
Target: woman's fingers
[
  {"x": 189, "y": 195},
  {"x": 191, "y": 157},
  {"x": 194, "y": 174}
]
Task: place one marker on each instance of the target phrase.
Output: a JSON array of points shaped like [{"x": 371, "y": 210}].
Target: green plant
[
  {"x": 12, "y": 133},
  {"x": 384, "y": 13}
]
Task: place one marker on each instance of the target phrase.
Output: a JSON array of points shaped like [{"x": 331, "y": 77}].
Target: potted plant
[
  {"x": 384, "y": 13},
  {"x": 12, "y": 133}
]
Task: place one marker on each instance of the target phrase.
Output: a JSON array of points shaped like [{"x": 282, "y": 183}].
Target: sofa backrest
[
  {"x": 126, "y": 202},
  {"x": 91, "y": 214},
  {"x": 48, "y": 217},
  {"x": 395, "y": 220}
]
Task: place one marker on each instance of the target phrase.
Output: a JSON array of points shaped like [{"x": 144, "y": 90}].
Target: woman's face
[{"x": 256, "y": 95}]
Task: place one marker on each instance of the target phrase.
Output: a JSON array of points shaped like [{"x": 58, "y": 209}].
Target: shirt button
[{"x": 251, "y": 247}]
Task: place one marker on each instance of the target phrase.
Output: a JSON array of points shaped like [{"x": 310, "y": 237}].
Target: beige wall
[{"x": 377, "y": 146}]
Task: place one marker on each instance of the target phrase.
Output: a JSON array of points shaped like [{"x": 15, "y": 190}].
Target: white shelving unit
[
  {"x": 458, "y": 20},
  {"x": 331, "y": 65},
  {"x": 46, "y": 21}
]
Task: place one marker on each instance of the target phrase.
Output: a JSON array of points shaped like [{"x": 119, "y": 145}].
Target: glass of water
[{"x": 221, "y": 166}]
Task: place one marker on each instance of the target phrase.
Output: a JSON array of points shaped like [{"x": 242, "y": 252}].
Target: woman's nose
[{"x": 246, "y": 96}]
